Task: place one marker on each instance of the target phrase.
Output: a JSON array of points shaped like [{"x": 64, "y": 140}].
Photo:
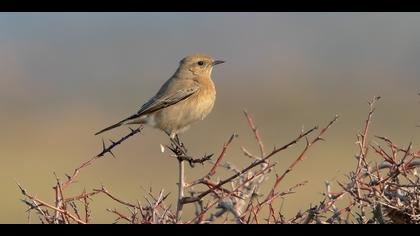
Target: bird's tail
[
  {"x": 109, "y": 128},
  {"x": 123, "y": 122}
]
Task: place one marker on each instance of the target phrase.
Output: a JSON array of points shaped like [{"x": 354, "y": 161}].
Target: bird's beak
[{"x": 218, "y": 62}]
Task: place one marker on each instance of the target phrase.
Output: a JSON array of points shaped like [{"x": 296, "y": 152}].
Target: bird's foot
[{"x": 179, "y": 149}]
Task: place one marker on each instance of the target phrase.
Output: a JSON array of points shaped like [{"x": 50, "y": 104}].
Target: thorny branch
[
  {"x": 108, "y": 149},
  {"x": 388, "y": 188}
]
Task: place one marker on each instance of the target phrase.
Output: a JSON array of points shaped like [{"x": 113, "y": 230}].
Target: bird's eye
[{"x": 200, "y": 63}]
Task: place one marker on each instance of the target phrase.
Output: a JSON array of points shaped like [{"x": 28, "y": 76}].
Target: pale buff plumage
[{"x": 188, "y": 96}]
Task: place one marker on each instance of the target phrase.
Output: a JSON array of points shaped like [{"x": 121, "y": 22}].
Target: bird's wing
[
  {"x": 172, "y": 92},
  {"x": 160, "y": 101},
  {"x": 167, "y": 99}
]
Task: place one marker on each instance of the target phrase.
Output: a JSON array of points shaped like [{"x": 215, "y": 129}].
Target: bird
[{"x": 186, "y": 97}]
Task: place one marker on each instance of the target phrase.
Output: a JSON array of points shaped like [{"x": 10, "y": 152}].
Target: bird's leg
[
  {"x": 178, "y": 146},
  {"x": 181, "y": 144}
]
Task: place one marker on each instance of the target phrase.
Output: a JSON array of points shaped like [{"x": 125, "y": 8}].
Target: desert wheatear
[{"x": 186, "y": 97}]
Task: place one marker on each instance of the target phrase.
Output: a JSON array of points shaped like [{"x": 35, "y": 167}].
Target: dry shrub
[{"x": 381, "y": 189}]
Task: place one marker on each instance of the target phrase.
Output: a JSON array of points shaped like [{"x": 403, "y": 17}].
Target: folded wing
[{"x": 158, "y": 102}]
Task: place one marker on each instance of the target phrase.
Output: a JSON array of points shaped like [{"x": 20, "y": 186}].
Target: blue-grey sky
[{"x": 84, "y": 51}]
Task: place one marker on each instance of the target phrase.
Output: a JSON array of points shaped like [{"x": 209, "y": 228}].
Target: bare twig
[
  {"x": 181, "y": 184},
  {"x": 108, "y": 149},
  {"x": 25, "y": 193},
  {"x": 276, "y": 150},
  {"x": 256, "y": 133},
  {"x": 222, "y": 154}
]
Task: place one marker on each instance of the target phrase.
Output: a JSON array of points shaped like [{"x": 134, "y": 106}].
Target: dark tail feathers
[
  {"x": 118, "y": 124},
  {"x": 110, "y": 127}
]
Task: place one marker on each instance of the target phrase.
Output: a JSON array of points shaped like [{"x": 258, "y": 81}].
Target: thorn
[
  {"x": 113, "y": 143},
  {"x": 103, "y": 144},
  {"x": 21, "y": 189},
  {"x": 112, "y": 153}
]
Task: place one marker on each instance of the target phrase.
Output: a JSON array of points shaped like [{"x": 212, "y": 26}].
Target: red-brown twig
[
  {"x": 70, "y": 179},
  {"x": 43, "y": 203},
  {"x": 300, "y": 157},
  {"x": 106, "y": 192},
  {"x": 227, "y": 180},
  {"x": 222, "y": 154},
  {"x": 256, "y": 133}
]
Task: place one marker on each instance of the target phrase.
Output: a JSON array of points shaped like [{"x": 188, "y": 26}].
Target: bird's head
[{"x": 197, "y": 65}]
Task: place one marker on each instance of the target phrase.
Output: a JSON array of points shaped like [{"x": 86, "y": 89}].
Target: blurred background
[{"x": 64, "y": 76}]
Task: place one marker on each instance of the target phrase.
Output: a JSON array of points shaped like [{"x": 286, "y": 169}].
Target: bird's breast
[
  {"x": 205, "y": 99},
  {"x": 186, "y": 112}
]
